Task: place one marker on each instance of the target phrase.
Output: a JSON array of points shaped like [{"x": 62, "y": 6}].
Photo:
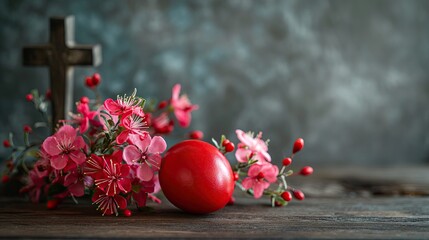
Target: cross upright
[{"x": 60, "y": 55}]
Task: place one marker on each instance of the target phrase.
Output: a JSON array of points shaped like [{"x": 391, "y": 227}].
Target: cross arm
[
  {"x": 84, "y": 55},
  {"x": 36, "y": 55}
]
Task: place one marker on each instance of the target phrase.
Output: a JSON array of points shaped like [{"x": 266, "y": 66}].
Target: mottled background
[{"x": 350, "y": 77}]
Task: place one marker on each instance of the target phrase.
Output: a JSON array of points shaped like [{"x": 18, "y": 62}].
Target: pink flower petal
[
  {"x": 258, "y": 189},
  {"x": 254, "y": 170},
  {"x": 142, "y": 142},
  {"x": 242, "y": 155},
  {"x": 144, "y": 172},
  {"x": 124, "y": 184},
  {"x": 79, "y": 143},
  {"x": 77, "y": 189},
  {"x": 112, "y": 106},
  {"x": 65, "y": 134},
  {"x": 248, "y": 183},
  {"x": 155, "y": 161},
  {"x": 59, "y": 162},
  {"x": 266, "y": 156},
  {"x": 183, "y": 117},
  {"x": 84, "y": 125},
  {"x": 132, "y": 154},
  {"x": 122, "y": 137},
  {"x": 244, "y": 137},
  {"x": 77, "y": 156},
  {"x": 157, "y": 145},
  {"x": 270, "y": 172},
  {"x": 70, "y": 178},
  {"x": 125, "y": 170},
  {"x": 50, "y": 145},
  {"x": 140, "y": 198},
  {"x": 175, "y": 93},
  {"x": 121, "y": 201},
  {"x": 98, "y": 193}
]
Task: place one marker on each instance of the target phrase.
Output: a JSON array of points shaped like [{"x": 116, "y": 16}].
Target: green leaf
[{"x": 215, "y": 143}]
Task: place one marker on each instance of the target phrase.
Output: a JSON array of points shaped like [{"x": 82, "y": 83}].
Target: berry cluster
[{"x": 256, "y": 175}]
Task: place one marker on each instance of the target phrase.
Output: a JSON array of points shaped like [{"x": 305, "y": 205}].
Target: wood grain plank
[{"x": 381, "y": 218}]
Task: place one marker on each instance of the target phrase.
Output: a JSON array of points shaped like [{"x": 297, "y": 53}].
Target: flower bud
[
  {"x": 298, "y": 145},
  {"x": 287, "y": 161},
  {"x": 88, "y": 82},
  {"x": 52, "y": 203},
  {"x": 29, "y": 97},
  {"x": 84, "y": 100},
  {"x": 127, "y": 213},
  {"x": 287, "y": 196},
  {"x": 162, "y": 104},
  {"x": 6, "y": 144},
  {"x": 96, "y": 79},
  {"x": 27, "y": 129},
  {"x": 299, "y": 194},
  {"x": 196, "y": 135},
  {"x": 307, "y": 170}
]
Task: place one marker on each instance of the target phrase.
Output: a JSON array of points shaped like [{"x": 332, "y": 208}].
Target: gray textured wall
[{"x": 351, "y": 77}]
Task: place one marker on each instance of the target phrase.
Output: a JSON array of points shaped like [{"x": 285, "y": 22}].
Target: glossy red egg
[{"x": 196, "y": 177}]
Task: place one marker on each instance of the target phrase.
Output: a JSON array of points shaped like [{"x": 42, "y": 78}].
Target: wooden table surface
[{"x": 342, "y": 204}]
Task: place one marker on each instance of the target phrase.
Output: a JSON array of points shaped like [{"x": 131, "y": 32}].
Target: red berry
[
  {"x": 84, "y": 100},
  {"x": 48, "y": 94},
  {"x": 287, "y": 161},
  {"x": 27, "y": 129},
  {"x": 278, "y": 204},
  {"x": 29, "y": 97},
  {"x": 298, "y": 194},
  {"x": 287, "y": 196},
  {"x": 298, "y": 145},
  {"x": 305, "y": 171},
  {"x": 225, "y": 142},
  {"x": 6, "y": 144},
  {"x": 88, "y": 82},
  {"x": 229, "y": 147},
  {"x": 236, "y": 176},
  {"x": 162, "y": 104},
  {"x": 52, "y": 204},
  {"x": 5, "y": 179},
  {"x": 196, "y": 135},
  {"x": 96, "y": 79},
  {"x": 127, "y": 213}
]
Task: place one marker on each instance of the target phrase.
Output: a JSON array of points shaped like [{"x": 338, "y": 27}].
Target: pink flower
[
  {"x": 260, "y": 177},
  {"x": 34, "y": 186},
  {"x": 63, "y": 146},
  {"x": 115, "y": 176},
  {"x": 74, "y": 181},
  {"x": 141, "y": 190},
  {"x": 162, "y": 124},
  {"x": 94, "y": 166},
  {"x": 108, "y": 204},
  {"x": 146, "y": 153},
  {"x": 182, "y": 107},
  {"x": 251, "y": 148},
  {"x": 42, "y": 167},
  {"x": 84, "y": 116},
  {"x": 132, "y": 124},
  {"x": 123, "y": 106}
]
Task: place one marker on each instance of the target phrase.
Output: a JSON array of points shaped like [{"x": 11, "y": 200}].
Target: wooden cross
[{"x": 60, "y": 54}]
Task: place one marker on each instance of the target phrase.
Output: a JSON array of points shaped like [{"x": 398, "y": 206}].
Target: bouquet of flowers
[{"x": 112, "y": 151}]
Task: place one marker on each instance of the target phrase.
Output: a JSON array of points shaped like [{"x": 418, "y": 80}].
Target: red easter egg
[{"x": 196, "y": 177}]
